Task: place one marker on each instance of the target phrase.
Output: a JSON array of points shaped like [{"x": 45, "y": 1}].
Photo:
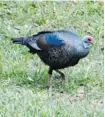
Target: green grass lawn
[{"x": 23, "y": 76}]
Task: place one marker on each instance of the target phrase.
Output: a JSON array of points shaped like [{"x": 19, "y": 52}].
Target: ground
[{"x": 23, "y": 77}]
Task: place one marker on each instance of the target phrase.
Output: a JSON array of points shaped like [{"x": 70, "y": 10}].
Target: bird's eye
[{"x": 89, "y": 39}]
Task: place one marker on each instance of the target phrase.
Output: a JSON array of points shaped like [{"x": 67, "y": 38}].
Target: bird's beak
[{"x": 92, "y": 42}]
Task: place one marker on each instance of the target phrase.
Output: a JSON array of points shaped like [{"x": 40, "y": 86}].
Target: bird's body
[{"x": 57, "y": 49}]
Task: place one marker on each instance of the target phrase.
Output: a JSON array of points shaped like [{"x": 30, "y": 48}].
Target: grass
[{"x": 23, "y": 76}]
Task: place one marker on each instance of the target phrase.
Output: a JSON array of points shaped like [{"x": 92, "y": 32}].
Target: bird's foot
[{"x": 62, "y": 78}]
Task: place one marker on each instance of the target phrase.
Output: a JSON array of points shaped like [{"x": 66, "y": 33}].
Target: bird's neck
[
  {"x": 85, "y": 45},
  {"x": 83, "y": 50}
]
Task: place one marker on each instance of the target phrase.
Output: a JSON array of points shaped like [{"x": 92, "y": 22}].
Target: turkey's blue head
[{"x": 87, "y": 41}]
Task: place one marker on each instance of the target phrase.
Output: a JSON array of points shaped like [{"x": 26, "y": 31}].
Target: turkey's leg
[
  {"x": 62, "y": 74},
  {"x": 50, "y": 78}
]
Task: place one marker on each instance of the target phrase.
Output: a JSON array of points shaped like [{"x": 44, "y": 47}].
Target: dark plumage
[{"x": 57, "y": 49}]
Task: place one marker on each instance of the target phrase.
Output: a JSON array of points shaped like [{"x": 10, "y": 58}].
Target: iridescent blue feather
[{"x": 52, "y": 39}]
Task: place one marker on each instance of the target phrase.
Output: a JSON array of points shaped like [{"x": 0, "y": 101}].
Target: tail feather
[
  {"x": 27, "y": 41},
  {"x": 19, "y": 40}
]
